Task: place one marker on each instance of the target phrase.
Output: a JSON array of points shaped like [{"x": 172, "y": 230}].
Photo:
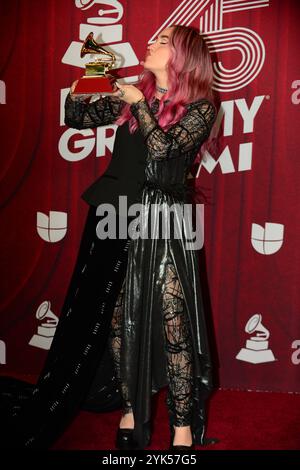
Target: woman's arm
[
  {"x": 81, "y": 115},
  {"x": 188, "y": 134}
]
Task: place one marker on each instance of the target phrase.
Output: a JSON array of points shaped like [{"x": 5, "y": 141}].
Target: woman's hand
[
  {"x": 73, "y": 86},
  {"x": 128, "y": 93}
]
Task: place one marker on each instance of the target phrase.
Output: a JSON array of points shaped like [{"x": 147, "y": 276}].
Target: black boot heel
[
  {"x": 172, "y": 434},
  {"x": 184, "y": 448},
  {"x": 124, "y": 439}
]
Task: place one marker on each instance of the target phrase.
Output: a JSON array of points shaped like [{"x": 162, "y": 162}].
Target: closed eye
[{"x": 163, "y": 38}]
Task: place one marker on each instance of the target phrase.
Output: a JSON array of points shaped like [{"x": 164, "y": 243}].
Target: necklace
[{"x": 161, "y": 90}]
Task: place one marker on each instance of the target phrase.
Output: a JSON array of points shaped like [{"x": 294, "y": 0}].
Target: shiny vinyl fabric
[
  {"x": 168, "y": 156},
  {"x": 143, "y": 360},
  {"x": 78, "y": 372}
]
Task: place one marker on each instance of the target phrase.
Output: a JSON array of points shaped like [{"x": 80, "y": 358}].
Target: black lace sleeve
[
  {"x": 82, "y": 115},
  {"x": 184, "y": 137}
]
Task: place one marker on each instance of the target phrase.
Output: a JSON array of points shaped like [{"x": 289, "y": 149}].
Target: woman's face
[{"x": 159, "y": 52}]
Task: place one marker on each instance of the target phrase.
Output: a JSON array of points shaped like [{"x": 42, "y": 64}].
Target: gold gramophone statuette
[{"x": 96, "y": 78}]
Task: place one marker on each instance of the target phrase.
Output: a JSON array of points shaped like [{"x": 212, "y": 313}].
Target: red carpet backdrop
[{"x": 251, "y": 267}]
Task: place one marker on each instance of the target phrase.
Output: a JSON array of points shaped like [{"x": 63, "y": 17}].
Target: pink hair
[{"x": 190, "y": 77}]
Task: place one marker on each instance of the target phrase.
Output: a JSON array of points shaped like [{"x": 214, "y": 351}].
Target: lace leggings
[{"x": 178, "y": 350}]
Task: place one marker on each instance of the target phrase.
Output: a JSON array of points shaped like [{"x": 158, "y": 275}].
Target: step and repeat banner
[{"x": 251, "y": 258}]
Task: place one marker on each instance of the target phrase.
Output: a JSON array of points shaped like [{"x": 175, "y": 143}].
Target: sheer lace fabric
[
  {"x": 115, "y": 348},
  {"x": 184, "y": 138},
  {"x": 82, "y": 115},
  {"x": 169, "y": 156},
  {"x": 177, "y": 348}
]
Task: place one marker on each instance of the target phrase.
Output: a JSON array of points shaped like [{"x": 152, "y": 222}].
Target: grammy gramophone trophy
[{"x": 96, "y": 78}]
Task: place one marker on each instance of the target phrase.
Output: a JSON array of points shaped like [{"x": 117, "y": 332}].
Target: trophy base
[{"x": 94, "y": 84}]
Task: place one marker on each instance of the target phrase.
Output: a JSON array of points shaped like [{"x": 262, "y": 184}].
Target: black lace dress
[
  {"x": 158, "y": 334},
  {"x": 164, "y": 330}
]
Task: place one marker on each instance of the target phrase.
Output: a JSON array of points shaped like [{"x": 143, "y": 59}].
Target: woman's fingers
[
  {"x": 115, "y": 89},
  {"x": 73, "y": 86}
]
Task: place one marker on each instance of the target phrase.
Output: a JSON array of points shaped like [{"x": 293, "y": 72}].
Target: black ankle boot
[{"x": 124, "y": 440}]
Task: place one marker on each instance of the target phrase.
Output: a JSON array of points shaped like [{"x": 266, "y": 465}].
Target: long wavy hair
[{"x": 190, "y": 77}]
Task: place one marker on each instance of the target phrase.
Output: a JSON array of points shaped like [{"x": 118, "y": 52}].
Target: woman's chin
[{"x": 145, "y": 65}]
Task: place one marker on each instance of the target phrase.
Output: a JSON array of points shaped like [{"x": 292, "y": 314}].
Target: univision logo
[
  {"x": 268, "y": 240},
  {"x": 51, "y": 228}
]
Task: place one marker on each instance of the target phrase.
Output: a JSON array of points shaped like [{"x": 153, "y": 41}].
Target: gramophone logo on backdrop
[
  {"x": 257, "y": 347},
  {"x": 105, "y": 31},
  {"x": 46, "y": 330},
  {"x": 52, "y": 228},
  {"x": 268, "y": 240}
]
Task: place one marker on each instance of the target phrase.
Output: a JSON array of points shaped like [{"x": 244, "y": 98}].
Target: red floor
[{"x": 240, "y": 420}]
